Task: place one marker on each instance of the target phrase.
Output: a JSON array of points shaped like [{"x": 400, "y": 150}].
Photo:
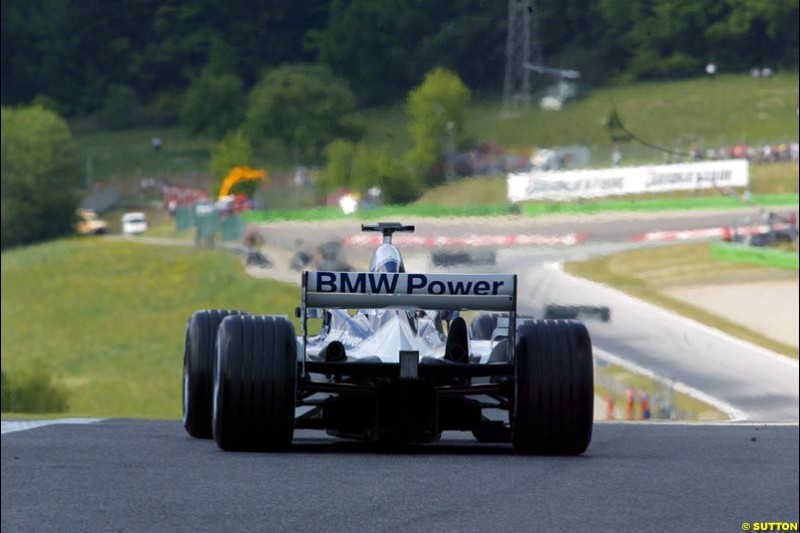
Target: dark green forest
[{"x": 79, "y": 56}]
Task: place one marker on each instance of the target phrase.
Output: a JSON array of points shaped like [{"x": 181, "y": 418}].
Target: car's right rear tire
[
  {"x": 553, "y": 408},
  {"x": 255, "y": 384},
  {"x": 198, "y": 361}
]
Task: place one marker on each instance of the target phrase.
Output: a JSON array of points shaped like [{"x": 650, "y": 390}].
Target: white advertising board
[{"x": 596, "y": 183}]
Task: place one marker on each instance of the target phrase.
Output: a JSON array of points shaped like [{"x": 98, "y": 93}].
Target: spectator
[
  {"x": 644, "y": 403},
  {"x": 767, "y": 73},
  {"x": 616, "y": 157},
  {"x": 793, "y": 225},
  {"x": 766, "y": 153},
  {"x": 755, "y": 72},
  {"x": 155, "y": 142},
  {"x": 711, "y": 154},
  {"x": 250, "y": 241},
  {"x": 630, "y": 403},
  {"x": 711, "y": 70},
  {"x": 609, "y": 406}
]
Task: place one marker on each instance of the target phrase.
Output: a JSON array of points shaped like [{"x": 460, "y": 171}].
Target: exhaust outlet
[
  {"x": 334, "y": 352},
  {"x": 456, "y": 348},
  {"x": 457, "y": 353}
]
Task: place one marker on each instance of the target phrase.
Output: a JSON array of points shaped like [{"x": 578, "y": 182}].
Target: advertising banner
[{"x": 597, "y": 183}]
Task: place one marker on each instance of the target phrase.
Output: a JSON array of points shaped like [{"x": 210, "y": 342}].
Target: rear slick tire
[
  {"x": 554, "y": 396},
  {"x": 198, "y": 365},
  {"x": 255, "y": 384}
]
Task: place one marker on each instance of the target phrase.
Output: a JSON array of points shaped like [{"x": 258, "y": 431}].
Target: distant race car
[{"x": 401, "y": 367}]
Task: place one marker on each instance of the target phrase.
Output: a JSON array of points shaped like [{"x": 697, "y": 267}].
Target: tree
[
  {"x": 233, "y": 151},
  {"x": 213, "y": 105},
  {"x": 121, "y": 107},
  {"x": 75, "y": 51},
  {"x": 398, "y": 185},
  {"x": 39, "y": 176},
  {"x": 376, "y": 168},
  {"x": 303, "y": 106},
  {"x": 339, "y": 165},
  {"x": 437, "y": 108},
  {"x": 358, "y": 167}
]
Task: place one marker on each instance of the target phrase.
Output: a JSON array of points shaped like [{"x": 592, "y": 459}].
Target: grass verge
[
  {"x": 654, "y": 204},
  {"x": 106, "y": 319},
  {"x": 413, "y": 210},
  {"x": 647, "y": 272},
  {"x": 749, "y": 255}
]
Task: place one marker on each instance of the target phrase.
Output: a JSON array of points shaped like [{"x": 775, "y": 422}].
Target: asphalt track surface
[{"x": 126, "y": 476}]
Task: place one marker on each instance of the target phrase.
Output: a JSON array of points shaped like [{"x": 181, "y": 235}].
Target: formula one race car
[{"x": 401, "y": 366}]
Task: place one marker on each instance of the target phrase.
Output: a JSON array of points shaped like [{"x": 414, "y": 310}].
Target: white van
[{"x": 134, "y": 223}]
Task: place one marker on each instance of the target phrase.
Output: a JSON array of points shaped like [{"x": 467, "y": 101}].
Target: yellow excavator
[{"x": 238, "y": 175}]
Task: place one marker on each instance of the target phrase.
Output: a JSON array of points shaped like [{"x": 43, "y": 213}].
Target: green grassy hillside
[
  {"x": 105, "y": 320},
  {"x": 728, "y": 109}
]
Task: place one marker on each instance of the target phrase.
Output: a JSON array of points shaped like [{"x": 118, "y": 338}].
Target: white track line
[
  {"x": 11, "y": 426},
  {"x": 734, "y": 414}
]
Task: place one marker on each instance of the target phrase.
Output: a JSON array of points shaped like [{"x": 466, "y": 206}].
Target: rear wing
[
  {"x": 377, "y": 290},
  {"x": 373, "y": 290}
]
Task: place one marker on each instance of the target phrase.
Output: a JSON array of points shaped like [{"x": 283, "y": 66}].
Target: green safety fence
[
  {"x": 206, "y": 226},
  {"x": 184, "y": 218},
  {"x": 231, "y": 228},
  {"x": 742, "y": 253}
]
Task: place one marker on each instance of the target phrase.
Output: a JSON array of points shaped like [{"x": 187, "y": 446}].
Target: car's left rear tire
[
  {"x": 255, "y": 383},
  {"x": 198, "y": 362}
]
